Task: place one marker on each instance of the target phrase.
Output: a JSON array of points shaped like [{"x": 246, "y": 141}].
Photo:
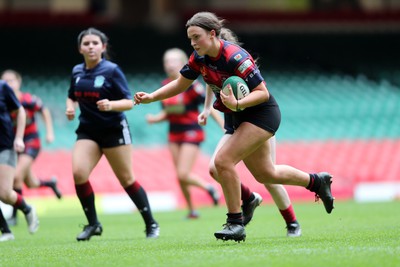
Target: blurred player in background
[
  {"x": 256, "y": 118},
  {"x": 101, "y": 89},
  {"x": 32, "y": 105},
  {"x": 185, "y": 134},
  {"x": 10, "y": 143},
  {"x": 251, "y": 200}
]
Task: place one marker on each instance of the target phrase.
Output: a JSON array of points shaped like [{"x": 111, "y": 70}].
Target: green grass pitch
[{"x": 353, "y": 235}]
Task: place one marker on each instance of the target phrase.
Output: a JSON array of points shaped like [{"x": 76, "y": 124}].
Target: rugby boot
[
  {"x": 293, "y": 229},
  {"x": 324, "y": 192},
  {"x": 32, "y": 220},
  {"x": 6, "y": 237},
  {"x": 152, "y": 231},
  {"x": 231, "y": 231},
  {"x": 53, "y": 185},
  {"x": 214, "y": 195},
  {"x": 89, "y": 231},
  {"x": 249, "y": 207}
]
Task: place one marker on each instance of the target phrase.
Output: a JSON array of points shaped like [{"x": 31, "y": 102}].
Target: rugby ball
[{"x": 238, "y": 85}]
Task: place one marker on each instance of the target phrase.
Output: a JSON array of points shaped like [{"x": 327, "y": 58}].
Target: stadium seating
[
  {"x": 314, "y": 105},
  {"x": 347, "y": 125}
]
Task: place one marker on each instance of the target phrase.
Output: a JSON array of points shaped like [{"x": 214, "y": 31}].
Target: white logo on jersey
[
  {"x": 99, "y": 81},
  {"x": 245, "y": 65}
]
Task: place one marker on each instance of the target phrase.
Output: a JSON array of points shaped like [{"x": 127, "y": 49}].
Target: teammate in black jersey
[
  {"x": 256, "y": 119},
  {"x": 101, "y": 89},
  {"x": 10, "y": 144}
]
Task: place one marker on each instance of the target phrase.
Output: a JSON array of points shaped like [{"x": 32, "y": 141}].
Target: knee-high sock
[
  {"x": 288, "y": 214},
  {"x": 315, "y": 182},
  {"x": 86, "y": 197},
  {"x": 14, "y": 211},
  {"x": 246, "y": 193},
  {"x": 21, "y": 204},
  {"x": 3, "y": 224},
  {"x": 139, "y": 197}
]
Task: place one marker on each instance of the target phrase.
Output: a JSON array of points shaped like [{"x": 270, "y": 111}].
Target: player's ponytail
[{"x": 228, "y": 35}]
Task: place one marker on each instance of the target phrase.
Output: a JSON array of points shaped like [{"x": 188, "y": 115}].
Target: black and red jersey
[
  {"x": 32, "y": 104},
  {"x": 182, "y": 112},
  {"x": 232, "y": 60}
]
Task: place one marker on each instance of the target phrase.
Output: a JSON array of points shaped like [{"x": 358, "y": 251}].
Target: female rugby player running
[{"x": 216, "y": 60}]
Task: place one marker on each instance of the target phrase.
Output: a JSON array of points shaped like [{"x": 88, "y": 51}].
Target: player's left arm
[
  {"x": 257, "y": 95},
  {"x": 248, "y": 71},
  {"x": 123, "y": 97},
  {"x": 48, "y": 121},
  {"x": 114, "y": 105},
  {"x": 19, "y": 145},
  {"x": 209, "y": 110}
]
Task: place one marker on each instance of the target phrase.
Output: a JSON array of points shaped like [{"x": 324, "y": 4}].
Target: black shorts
[
  {"x": 106, "y": 138},
  {"x": 267, "y": 116},
  {"x": 186, "y": 142},
  {"x": 33, "y": 152}
]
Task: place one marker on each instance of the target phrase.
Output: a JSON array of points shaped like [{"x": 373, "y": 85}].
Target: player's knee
[
  {"x": 126, "y": 179},
  {"x": 213, "y": 171},
  {"x": 221, "y": 165},
  {"x": 182, "y": 176},
  {"x": 6, "y": 195},
  {"x": 80, "y": 176}
]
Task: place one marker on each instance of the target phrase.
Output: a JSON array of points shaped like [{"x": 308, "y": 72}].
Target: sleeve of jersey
[
  {"x": 71, "y": 90},
  {"x": 38, "y": 103},
  {"x": 199, "y": 91},
  {"x": 121, "y": 84},
  {"x": 191, "y": 70},
  {"x": 246, "y": 69},
  {"x": 12, "y": 101}
]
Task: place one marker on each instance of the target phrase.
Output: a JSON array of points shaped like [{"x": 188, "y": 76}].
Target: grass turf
[{"x": 353, "y": 235}]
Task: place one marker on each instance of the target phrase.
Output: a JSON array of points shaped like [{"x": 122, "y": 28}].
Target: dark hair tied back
[
  {"x": 94, "y": 31},
  {"x": 206, "y": 20},
  {"x": 100, "y": 34}
]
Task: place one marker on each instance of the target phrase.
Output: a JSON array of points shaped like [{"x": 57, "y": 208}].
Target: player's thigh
[
  {"x": 7, "y": 173},
  {"x": 187, "y": 157},
  {"x": 120, "y": 160},
  {"x": 244, "y": 142},
  {"x": 85, "y": 156},
  {"x": 31, "y": 180},
  {"x": 174, "y": 149},
  {"x": 24, "y": 164},
  {"x": 260, "y": 163}
]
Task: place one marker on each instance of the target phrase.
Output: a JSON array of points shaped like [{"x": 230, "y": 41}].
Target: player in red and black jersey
[
  {"x": 185, "y": 134},
  {"x": 32, "y": 105},
  {"x": 256, "y": 119},
  {"x": 251, "y": 199},
  {"x": 100, "y": 88},
  {"x": 12, "y": 142}
]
